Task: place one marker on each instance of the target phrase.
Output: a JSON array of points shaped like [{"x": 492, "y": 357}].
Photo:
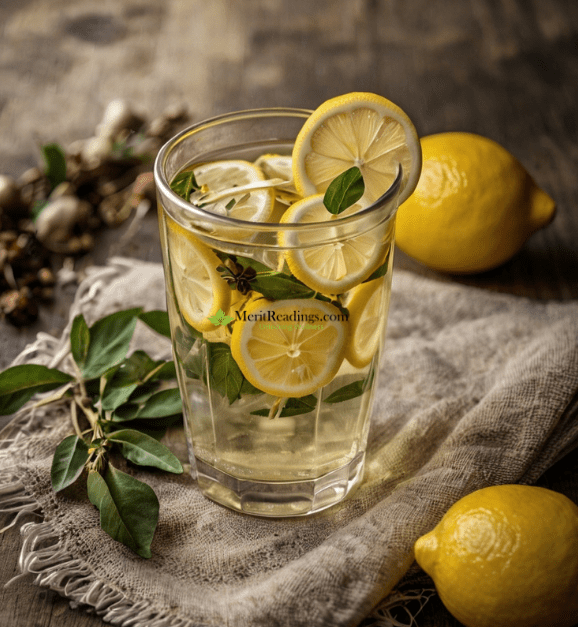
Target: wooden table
[{"x": 506, "y": 70}]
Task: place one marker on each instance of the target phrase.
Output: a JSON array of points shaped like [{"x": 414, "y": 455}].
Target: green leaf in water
[
  {"x": 344, "y": 191},
  {"x": 226, "y": 377},
  {"x": 293, "y": 407},
  {"x": 184, "y": 183},
  {"x": 352, "y": 390},
  {"x": 279, "y": 286}
]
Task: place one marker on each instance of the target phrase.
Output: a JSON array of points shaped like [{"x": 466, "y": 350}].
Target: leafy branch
[{"x": 114, "y": 401}]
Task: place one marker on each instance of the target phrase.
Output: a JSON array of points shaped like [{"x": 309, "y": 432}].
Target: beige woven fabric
[{"x": 476, "y": 389}]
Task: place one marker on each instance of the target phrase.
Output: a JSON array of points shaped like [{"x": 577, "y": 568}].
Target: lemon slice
[
  {"x": 279, "y": 166},
  {"x": 276, "y": 166},
  {"x": 367, "y": 308},
  {"x": 332, "y": 268},
  {"x": 289, "y": 348},
  {"x": 200, "y": 290},
  {"x": 357, "y": 129},
  {"x": 253, "y": 205}
]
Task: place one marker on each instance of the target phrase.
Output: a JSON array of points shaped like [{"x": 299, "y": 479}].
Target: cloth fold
[{"x": 476, "y": 389}]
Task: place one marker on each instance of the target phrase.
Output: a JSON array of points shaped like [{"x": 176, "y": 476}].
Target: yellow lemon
[
  {"x": 357, "y": 129},
  {"x": 199, "y": 288},
  {"x": 337, "y": 266},
  {"x": 474, "y": 207},
  {"x": 506, "y": 556},
  {"x": 289, "y": 348}
]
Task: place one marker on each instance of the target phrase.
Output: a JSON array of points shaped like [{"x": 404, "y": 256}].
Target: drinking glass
[{"x": 252, "y": 450}]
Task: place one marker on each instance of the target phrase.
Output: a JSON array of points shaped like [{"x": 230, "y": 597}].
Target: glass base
[{"x": 280, "y": 498}]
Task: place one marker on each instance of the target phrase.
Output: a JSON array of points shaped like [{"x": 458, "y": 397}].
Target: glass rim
[{"x": 192, "y": 210}]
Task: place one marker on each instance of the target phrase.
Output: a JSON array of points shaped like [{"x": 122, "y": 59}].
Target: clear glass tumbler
[{"x": 277, "y": 385}]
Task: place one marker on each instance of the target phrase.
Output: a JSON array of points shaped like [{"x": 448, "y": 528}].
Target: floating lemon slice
[
  {"x": 367, "y": 308},
  {"x": 289, "y": 348},
  {"x": 279, "y": 167},
  {"x": 253, "y": 205},
  {"x": 357, "y": 129},
  {"x": 276, "y": 166},
  {"x": 332, "y": 268},
  {"x": 200, "y": 290}
]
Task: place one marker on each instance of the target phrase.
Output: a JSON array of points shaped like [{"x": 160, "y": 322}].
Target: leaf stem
[
  {"x": 54, "y": 397},
  {"x": 74, "y": 418}
]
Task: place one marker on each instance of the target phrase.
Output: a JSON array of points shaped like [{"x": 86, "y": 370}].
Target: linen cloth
[{"x": 476, "y": 389}]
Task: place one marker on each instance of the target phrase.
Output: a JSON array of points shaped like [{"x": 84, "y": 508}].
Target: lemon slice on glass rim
[
  {"x": 335, "y": 267},
  {"x": 367, "y": 307},
  {"x": 289, "y": 348},
  {"x": 357, "y": 129},
  {"x": 221, "y": 179},
  {"x": 199, "y": 288}
]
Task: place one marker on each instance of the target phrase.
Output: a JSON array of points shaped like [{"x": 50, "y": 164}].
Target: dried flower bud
[
  {"x": 96, "y": 150},
  {"x": 9, "y": 192},
  {"x": 56, "y": 221},
  {"x": 30, "y": 176},
  {"x": 158, "y": 127},
  {"x": 18, "y": 307},
  {"x": 117, "y": 116},
  {"x": 175, "y": 111},
  {"x": 46, "y": 276},
  {"x": 63, "y": 189}
]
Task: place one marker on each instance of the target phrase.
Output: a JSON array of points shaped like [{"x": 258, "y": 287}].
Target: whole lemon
[
  {"x": 474, "y": 207},
  {"x": 506, "y": 556}
]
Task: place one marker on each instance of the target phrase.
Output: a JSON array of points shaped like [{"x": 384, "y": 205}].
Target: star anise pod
[{"x": 237, "y": 276}]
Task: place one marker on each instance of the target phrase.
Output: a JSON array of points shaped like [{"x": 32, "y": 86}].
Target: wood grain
[{"x": 506, "y": 69}]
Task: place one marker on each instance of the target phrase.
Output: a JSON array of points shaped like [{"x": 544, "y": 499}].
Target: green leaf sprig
[{"x": 118, "y": 404}]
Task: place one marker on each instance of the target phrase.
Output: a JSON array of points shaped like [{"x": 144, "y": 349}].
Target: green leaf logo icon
[{"x": 220, "y": 319}]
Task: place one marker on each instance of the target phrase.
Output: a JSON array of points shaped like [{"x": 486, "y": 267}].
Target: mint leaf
[
  {"x": 249, "y": 388},
  {"x": 352, "y": 390},
  {"x": 68, "y": 462},
  {"x": 79, "y": 340},
  {"x": 247, "y": 262},
  {"x": 225, "y": 375},
  {"x": 109, "y": 342},
  {"x": 184, "y": 183},
  {"x": 54, "y": 164},
  {"x": 293, "y": 407},
  {"x": 144, "y": 450},
  {"x": 381, "y": 270},
  {"x": 344, "y": 191},
  {"x": 279, "y": 286},
  {"x": 19, "y": 384},
  {"x": 158, "y": 321},
  {"x": 129, "y": 509}
]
